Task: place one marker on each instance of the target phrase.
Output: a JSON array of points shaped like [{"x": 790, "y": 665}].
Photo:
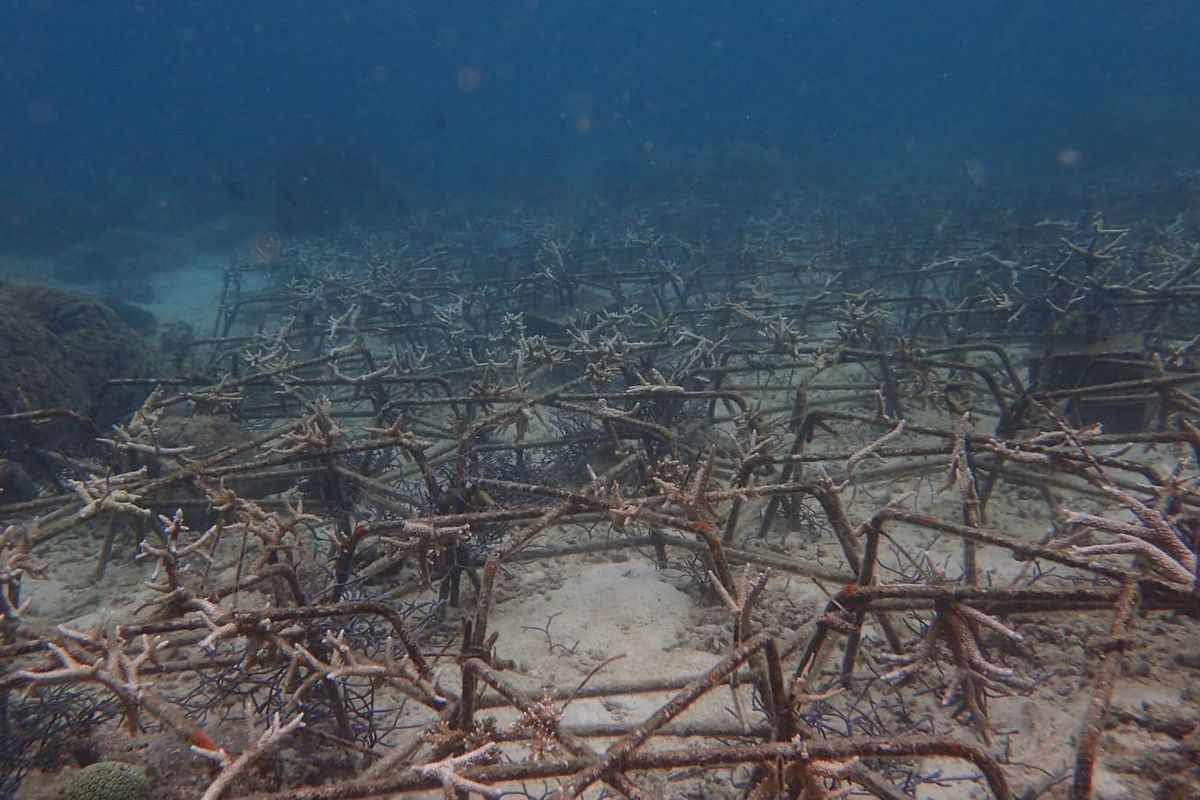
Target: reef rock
[{"x": 58, "y": 348}]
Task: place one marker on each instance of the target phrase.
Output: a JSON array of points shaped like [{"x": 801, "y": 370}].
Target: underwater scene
[{"x": 559, "y": 399}]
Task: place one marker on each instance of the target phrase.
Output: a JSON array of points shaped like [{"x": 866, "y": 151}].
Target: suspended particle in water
[
  {"x": 468, "y": 78},
  {"x": 1067, "y": 157}
]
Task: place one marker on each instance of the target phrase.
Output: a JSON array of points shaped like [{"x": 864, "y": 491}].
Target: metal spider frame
[{"x": 715, "y": 376}]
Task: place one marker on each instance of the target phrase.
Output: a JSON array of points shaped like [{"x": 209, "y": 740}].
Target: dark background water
[{"x": 405, "y": 106}]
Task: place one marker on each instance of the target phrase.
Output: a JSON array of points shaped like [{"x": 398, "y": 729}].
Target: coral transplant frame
[{"x": 671, "y": 387}]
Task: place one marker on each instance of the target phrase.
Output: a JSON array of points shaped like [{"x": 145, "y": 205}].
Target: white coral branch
[
  {"x": 445, "y": 771},
  {"x": 233, "y": 768}
]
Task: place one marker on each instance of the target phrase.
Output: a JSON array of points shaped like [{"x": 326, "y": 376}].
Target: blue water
[{"x": 168, "y": 113}]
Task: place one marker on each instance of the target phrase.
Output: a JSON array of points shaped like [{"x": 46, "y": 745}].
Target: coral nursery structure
[{"x": 923, "y": 492}]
